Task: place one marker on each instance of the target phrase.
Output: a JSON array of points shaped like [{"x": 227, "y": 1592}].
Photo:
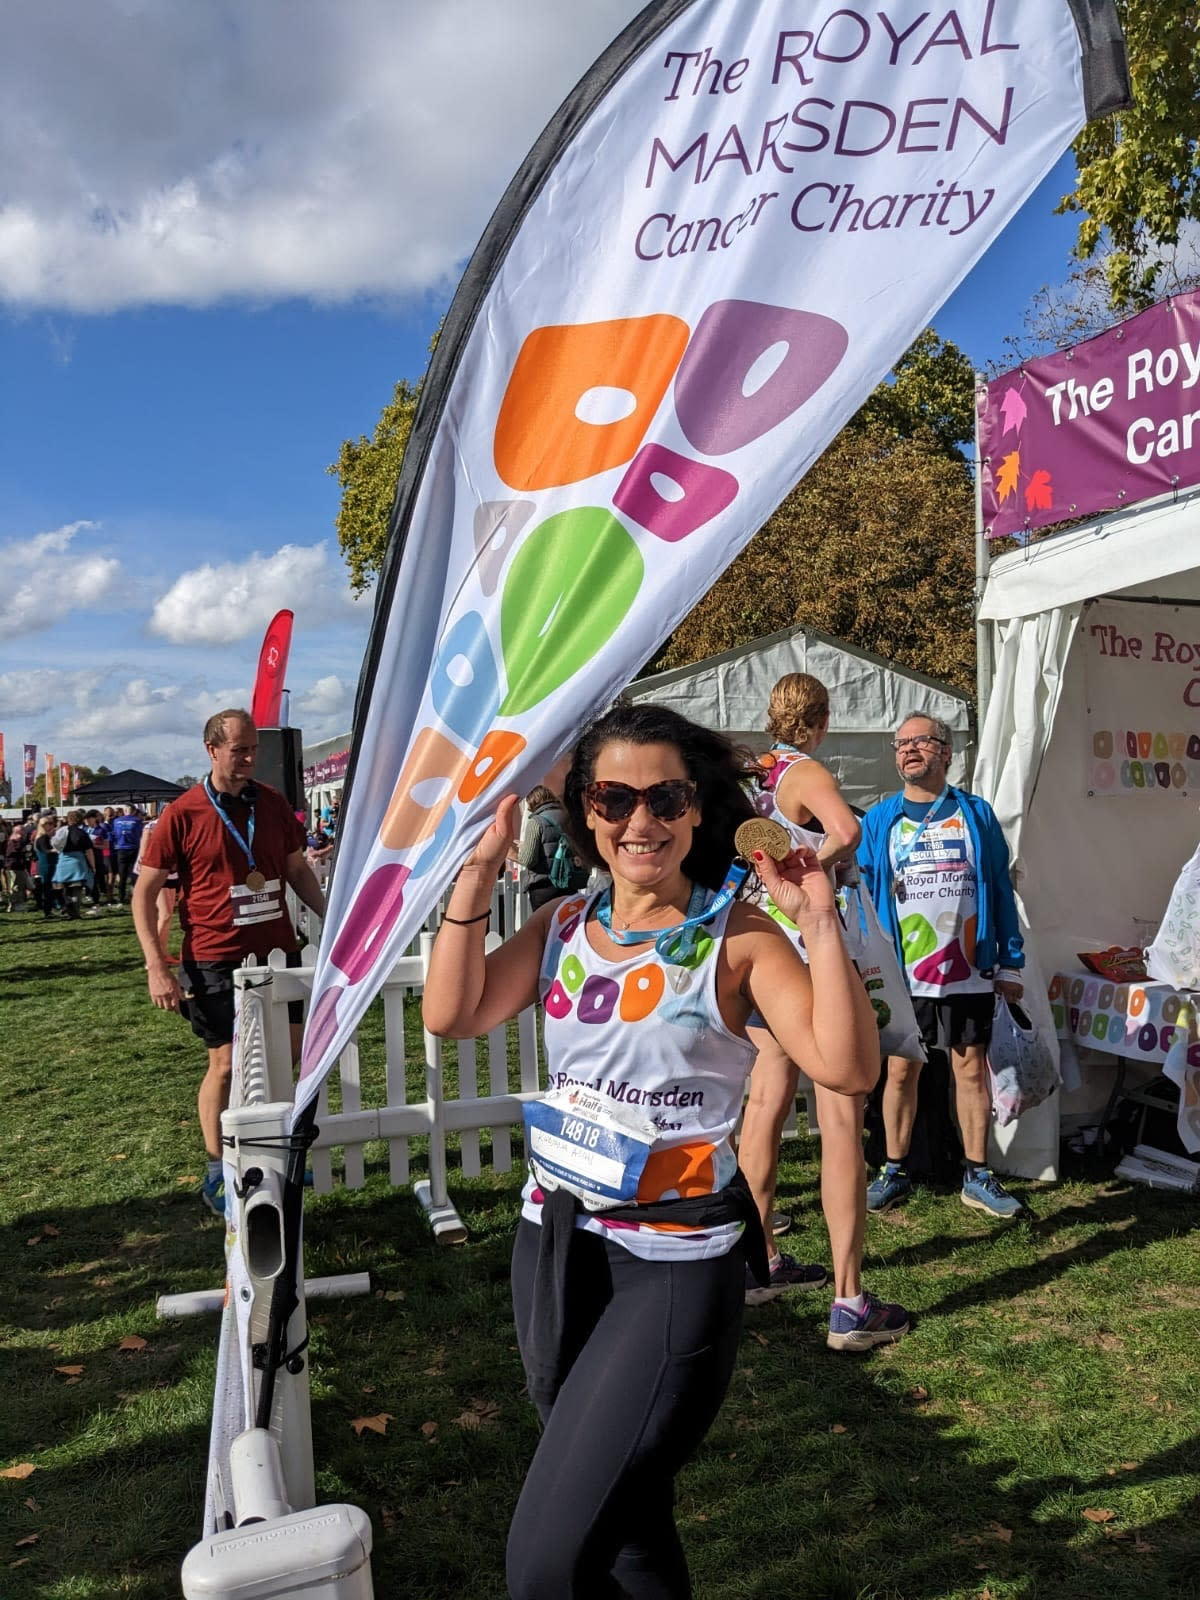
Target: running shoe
[
  {"x": 786, "y": 1274},
  {"x": 781, "y": 1221},
  {"x": 877, "y": 1323},
  {"x": 212, "y": 1192},
  {"x": 887, "y": 1190},
  {"x": 985, "y": 1192}
]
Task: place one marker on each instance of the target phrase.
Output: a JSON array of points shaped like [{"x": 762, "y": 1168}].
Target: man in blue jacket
[
  {"x": 126, "y": 837},
  {"x": 936, "y": 863}
]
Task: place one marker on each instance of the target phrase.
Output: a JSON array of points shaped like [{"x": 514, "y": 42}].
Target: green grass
[{"x": 1053, "y": 1369}]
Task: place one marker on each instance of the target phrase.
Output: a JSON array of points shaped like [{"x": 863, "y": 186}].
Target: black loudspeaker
[{"x": 280, "y": 763}]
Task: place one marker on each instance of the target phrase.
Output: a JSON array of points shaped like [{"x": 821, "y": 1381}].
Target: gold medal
[
  {"x": 255, "y": 882},
  {"x": 760, "y": 833}
]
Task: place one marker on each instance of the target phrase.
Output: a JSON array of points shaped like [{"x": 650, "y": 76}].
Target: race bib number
[
  {"x": 256, "y": 905},
  {"x": 594, "y": 1148}
]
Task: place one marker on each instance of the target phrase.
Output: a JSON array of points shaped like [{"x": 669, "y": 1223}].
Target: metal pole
[{"x": 985, "y": 663}]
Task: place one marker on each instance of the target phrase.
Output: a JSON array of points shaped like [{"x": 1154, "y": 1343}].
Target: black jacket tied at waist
[{"x": 543, "y": 1345}]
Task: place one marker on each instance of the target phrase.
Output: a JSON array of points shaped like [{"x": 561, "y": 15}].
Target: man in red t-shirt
[{"x": 236, "y": 846}]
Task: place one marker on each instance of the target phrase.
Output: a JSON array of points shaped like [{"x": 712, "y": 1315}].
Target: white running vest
[{"x": 648, "y": 1034}]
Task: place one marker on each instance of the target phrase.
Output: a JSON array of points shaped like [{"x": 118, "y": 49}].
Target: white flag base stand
[
  {"x": 321, "y": 1554},
  {"x": 448, "y": 1227},
  {"x": 198, "y": 1302}
]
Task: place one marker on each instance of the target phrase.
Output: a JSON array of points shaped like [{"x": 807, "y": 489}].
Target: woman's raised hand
[
  {"x": 798, "y": 884},
  {"x": 489, "y": 854}
]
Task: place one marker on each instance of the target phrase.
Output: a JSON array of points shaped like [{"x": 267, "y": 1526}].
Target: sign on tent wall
[{"x": 1143, "y": 698}]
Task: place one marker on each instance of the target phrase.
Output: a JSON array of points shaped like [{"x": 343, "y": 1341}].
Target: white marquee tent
[
  {"x": 868, "y": 697},
  {"x": 1090, "y": 870}
]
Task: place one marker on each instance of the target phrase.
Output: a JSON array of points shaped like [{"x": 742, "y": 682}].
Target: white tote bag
[
  {"x": 875, "y": 957},
  {"x": 1174, "y": 957}
]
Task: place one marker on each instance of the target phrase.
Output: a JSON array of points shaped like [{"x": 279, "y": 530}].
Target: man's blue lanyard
[
  {"x": 902, "y": 851},
  {"x": 676, "y": 944},
  {"x": 246, "y": 844}
]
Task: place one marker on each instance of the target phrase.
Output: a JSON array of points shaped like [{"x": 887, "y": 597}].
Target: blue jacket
[
  {"x": 126, "y": 832},
  {"x": 998, "y": 940}
]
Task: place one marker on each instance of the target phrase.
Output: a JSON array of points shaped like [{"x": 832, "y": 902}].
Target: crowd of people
[{"x": 57, "y": 862}]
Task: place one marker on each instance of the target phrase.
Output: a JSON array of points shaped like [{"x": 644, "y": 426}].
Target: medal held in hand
[{"x": 760, "y": 833}]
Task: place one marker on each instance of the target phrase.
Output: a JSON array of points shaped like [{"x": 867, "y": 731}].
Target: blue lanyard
[
  {"x": 678, "y": 943},
  {"x": 246, "y": 844},
  {"x": 901, "y": 852}
]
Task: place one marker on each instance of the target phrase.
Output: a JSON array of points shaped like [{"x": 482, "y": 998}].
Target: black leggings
[{"x": 652, "y": 1347}]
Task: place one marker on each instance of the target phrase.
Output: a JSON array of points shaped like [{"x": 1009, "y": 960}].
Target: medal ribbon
[
  {"x": 246, "y": 844},
  {"x": 676, "y": 944},
  {"x": 902, "y": 852}
]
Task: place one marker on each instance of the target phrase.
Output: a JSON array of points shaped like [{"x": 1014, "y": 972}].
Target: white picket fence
[{"x": 491, "y": 1088}]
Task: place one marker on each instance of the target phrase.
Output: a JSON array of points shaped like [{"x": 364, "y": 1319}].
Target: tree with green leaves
[
  {"x": 368, "y": 470},
  {"x": 1137, "y": 182}
]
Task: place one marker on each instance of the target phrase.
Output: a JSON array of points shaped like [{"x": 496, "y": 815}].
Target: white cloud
[
  {"x": 184, "y": 154},
  {"x": 220, "y": 604},
  {"x": 329, "y": 696},
  {"x": 45, "y": 580}
]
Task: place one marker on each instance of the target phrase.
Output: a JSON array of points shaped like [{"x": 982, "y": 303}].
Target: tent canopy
[
  {"x": 868, "y": 698},
  {"x": 1090, "y": 870},
  {"x": 126, "y": 788}
]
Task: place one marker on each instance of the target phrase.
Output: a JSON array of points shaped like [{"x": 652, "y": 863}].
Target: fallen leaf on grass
[
  {"x": 30, "y": 1538},
  {"x": 30, "y": 1504},
  {"x": 188, "y": 1177},
  {"x": 919, "y": 1393},
  {"x": 377, "y": 1424},
  {"x": 368, "y": 1388},
  {"x": 1143, "y": 1546},
  {"x": 1130, "y": 1466},
  {"x": 22, "y": 1470},
  {"x": 69, "y": 1372},
  {"x": 132, "y": 1341},
  {"x": 429, "y": 1429},
  {"x": 1000, "y": 1532},
  {"x": 393, "y": 1294},
  {"x": 120, "y": 1156},
  {"x": 19, "y": 1562},
  {"x": 1098, "y": 1514},
  {"x": 838, "y": 1427},
  {"x": 477, "y": 1413},
  {"x": 51, "y": 1231},
  {"x": 762, "y": 1339}
]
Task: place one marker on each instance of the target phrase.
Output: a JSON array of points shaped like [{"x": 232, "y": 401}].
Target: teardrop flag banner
[
  {"x": 51, "y": 776},
  {"x": 30, "y": 765},
  {"x": 272, "y": 668},
  {"x": 65, "y": 776},
  {"x": 722, "y": 242}
]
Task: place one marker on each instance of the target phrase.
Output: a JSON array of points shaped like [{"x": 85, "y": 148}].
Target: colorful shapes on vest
[
  {"x": 572, "y": 974},
  {"x": 640, "y": 993},
  {"x": 917, "y": 937},
  {"x": 557, "y": 1001},
  {"x": 563, "y": 378},
  {"x": 598, "y": 999},
  {"x": 682, "y": 1169},
  {"x": 570, "y": 585},
  {"x": 748, "y": 367},
  {"x": 671, "y": 495},
  {"x": 946, "y": 966}
]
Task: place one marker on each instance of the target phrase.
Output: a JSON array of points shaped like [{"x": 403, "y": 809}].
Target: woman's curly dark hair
[{"x": 722, "y": 775}]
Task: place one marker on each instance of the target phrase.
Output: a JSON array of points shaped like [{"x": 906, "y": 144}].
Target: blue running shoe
[
  {"x": 877, "y": 1323},
  {"x": 890, "y": 1188},
  {"x": 212, "y": 1192},
  {"x": 786, "y": 1274},
  {"x": 983, "y": 1191}
]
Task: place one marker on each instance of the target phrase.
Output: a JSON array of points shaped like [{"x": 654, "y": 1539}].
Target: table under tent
[{"x": 1090, "y": 753}]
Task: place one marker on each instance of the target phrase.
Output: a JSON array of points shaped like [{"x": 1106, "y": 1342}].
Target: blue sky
[{"x": 225, "y": 231}]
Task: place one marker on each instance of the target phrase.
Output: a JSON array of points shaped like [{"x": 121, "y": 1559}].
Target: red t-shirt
[{"x": 221, "y": 917}]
